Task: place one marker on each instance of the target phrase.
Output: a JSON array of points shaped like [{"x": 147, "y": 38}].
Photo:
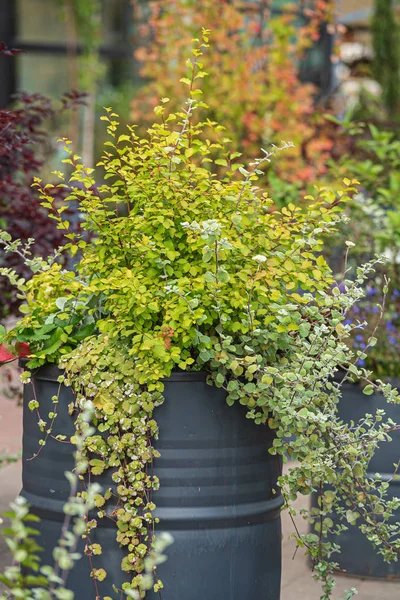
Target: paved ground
[
  {"x": 10, "y": 475},
  {"x": 297, "y": 583}
]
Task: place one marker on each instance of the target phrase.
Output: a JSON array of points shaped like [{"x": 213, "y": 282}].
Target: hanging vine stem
[
  {"x": 34, "y": 405},
  {"x": 75, "y": 507}
]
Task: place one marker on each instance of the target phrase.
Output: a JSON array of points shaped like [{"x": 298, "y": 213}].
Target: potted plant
[
  {"x": 189, "y": 278},
  {"x": 374, "y": 225}
]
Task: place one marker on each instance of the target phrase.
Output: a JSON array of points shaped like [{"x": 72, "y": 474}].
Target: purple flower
[
  {"x": 375, "y": 309},
  {"x": 356, "y": 309},
  {"x": 359, "y": 337},
  {"x": 396, "y": 293},
  {"x": 347, "y": 321},
  {"x": 362, "y": 345},
  {"x": 361, "y": 362},
  {"x": 390, "y": 326},
  {"x": 371, "y": 292},
  {"x": 392, "y": 340}
]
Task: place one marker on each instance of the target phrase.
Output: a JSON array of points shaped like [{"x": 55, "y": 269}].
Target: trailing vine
[{"x": 122, "y": 445}]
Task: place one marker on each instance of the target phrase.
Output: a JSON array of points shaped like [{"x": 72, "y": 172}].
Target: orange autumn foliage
[{"x": 252, "y": 83}]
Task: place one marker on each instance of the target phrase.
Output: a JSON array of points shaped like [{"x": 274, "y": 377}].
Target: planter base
[
  {"x": 217, "y": 496},
  {"x": 357, "y": 557}
]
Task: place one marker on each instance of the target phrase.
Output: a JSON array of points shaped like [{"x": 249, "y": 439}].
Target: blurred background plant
[
  {"x": 374, "y": 227},
  {"x": 367, "y": 148},
  {"x": 83, "y": 27},
  {"x": 386, "y": 60},
  {"x": 253, "y": 84},
  {"x": 24, "y": 148}
]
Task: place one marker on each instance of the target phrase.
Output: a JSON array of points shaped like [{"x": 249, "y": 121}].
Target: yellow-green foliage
[{"x": 177, "y": 250}]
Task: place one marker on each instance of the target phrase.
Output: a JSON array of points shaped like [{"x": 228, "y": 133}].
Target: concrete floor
[{"x": 297, "y": 582}]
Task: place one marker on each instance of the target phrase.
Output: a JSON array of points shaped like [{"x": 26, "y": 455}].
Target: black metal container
[
  {"x": 357, "y": 556},
  {"x": 218, "y": 495}
]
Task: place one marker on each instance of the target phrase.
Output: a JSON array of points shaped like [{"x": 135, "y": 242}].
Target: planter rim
[{"x": 50, "y": 372}]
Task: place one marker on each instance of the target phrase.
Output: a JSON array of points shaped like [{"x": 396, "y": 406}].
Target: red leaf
[
  {"x": 5, "y": 354},
  {"x": 22, "y": 349}
]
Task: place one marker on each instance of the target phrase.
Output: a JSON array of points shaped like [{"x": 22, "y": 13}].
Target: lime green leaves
[
  {"x": 103, "y": 374},
  {"x": 368, "y": 390}
]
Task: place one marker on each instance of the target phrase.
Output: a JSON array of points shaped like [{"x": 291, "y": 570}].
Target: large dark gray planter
[
  {"x": 216, "y": 496},
  {"x": 357, "y": 556}
]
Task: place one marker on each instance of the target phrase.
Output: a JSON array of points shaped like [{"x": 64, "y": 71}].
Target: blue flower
[
  {"x": 356, "y": 309},
  {"x": 361, "y": 362},
  {"x": 390, "y": 326},
  {"x": 347, "y": 321},
  {"x": 359, "y": 337},
  {"x": 396, "y": 293},
  {"x": 362, "y": 345},
  {"x": 375, "y": 309},
  {"x": 371, "y": 292},
  {"x": 392, "y": 340}
]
